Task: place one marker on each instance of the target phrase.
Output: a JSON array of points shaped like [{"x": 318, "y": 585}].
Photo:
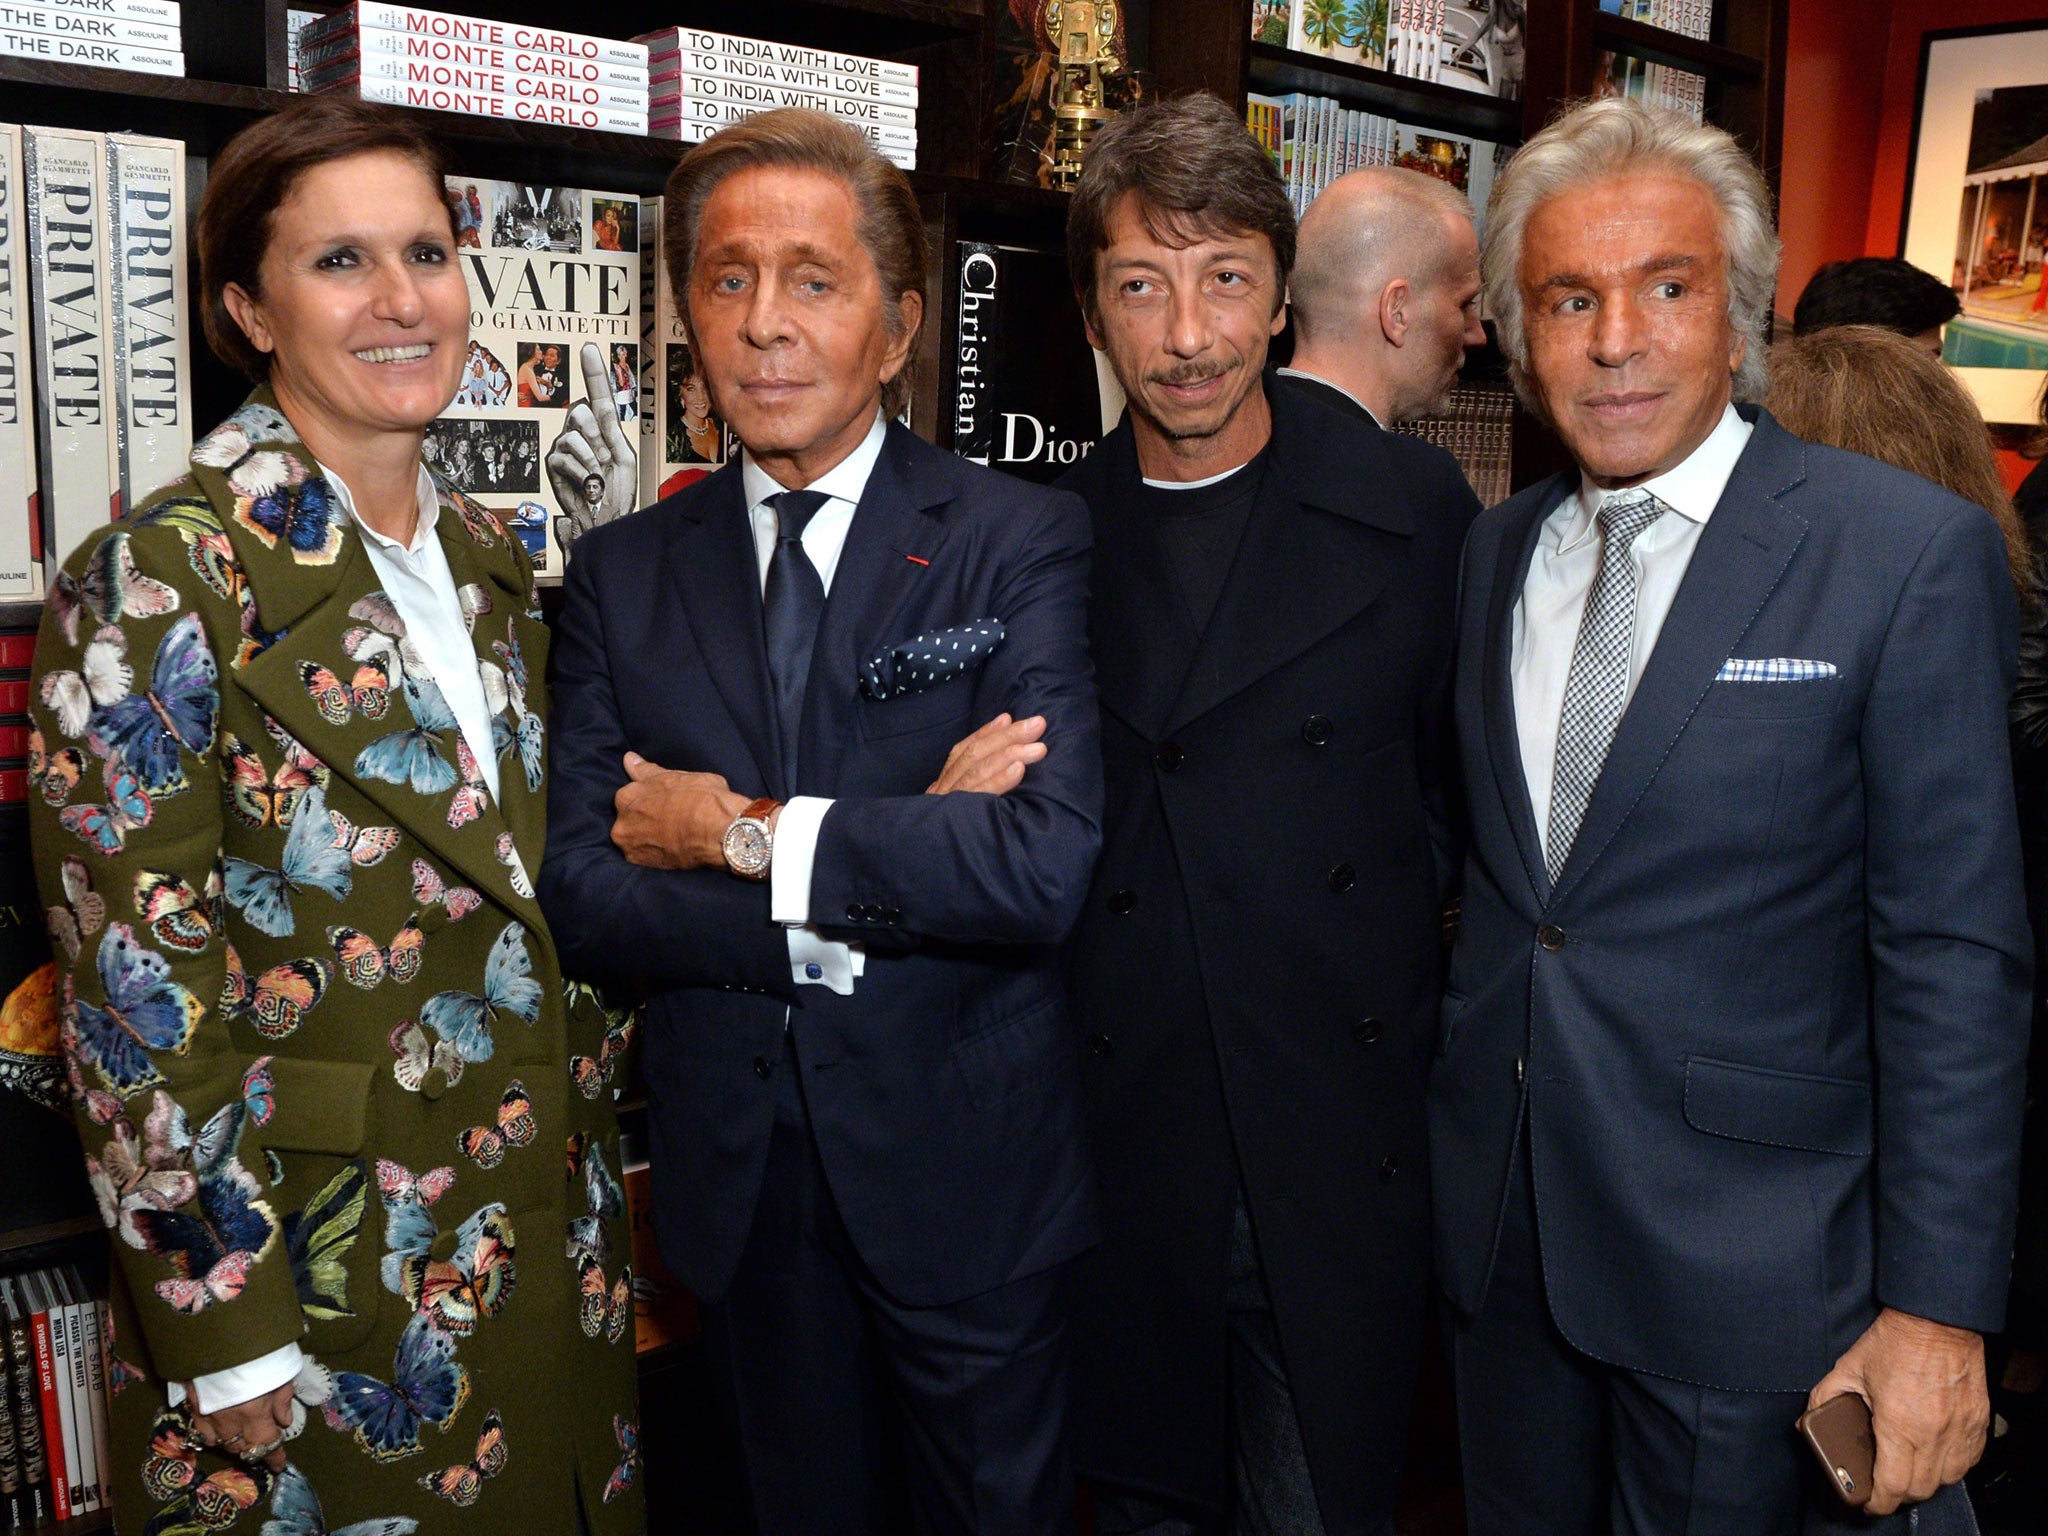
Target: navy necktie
[{"x": 792, "y": 600}]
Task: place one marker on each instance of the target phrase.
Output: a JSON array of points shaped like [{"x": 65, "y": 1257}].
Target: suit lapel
[
  {"x": 1503, "y": 732},
  {"x": 1131, "y": 599}
]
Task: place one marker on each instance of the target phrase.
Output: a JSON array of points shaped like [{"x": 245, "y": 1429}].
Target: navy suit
[
  {"x": 1753, "y": 1067},
  {"x": 938, "y": 1105}
]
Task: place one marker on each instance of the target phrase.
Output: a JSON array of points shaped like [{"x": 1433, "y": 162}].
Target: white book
[
  {"x": 59, "y": 49},
  {"x": 93, "y": 1323},
  {"x": 682, "y": 437},
  {"x": 524, "y": 109},
  {"x": 631, "y": 100},
  {"x": 21, "y": 574},
  {"x": 70, "y": 304},
  {"x": 761, "y": 97},
  {"x": 896, "y": 152},
  {"x": 85, "y": 1486},
  {"x": 726, "y": 44},
  {"x": 697, "y": 109},
  {"x": 89, "y": 26},
  {"x": 665, "y": 70},
  {"x": 146, "y": 277},
  {"x": 164, "y": 12},
  {"x": 373, "y": 15},
  {"x": 381, "y": 43}
]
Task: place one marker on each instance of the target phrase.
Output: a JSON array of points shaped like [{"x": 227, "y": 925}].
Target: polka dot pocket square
[{"x": 919, "y": 665}]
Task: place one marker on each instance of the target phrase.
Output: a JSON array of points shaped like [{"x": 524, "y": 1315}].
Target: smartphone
[{"x": 1839, "y": 1432}]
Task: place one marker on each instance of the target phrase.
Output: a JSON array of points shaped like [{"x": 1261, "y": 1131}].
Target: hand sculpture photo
[{"x": 593, "y": 464}]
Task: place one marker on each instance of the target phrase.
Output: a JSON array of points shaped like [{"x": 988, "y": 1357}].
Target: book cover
[
  {"x": 667, "y": 71},
  {"x": 1269, "y": 22},
  {"x": 757, "y": 96},
  {"x": 52, "y": 1407},
  {"x": 554, "y": 284},
  {"x": 419, "y": 48},
  {"x": 295, "y": 24},
  {"x": 77, "y": 450},
  {"x": 374, "y": 15},
  {"x": 525, "y": 109},
  {"x": 26, "y": 1398},
  {"x": 21, "y": 572},
  {"x": 1317, "y": 27},
  {"x": 630, "y": 101},
  {"x": 92, "y": 1329},
  {"x": 152, "y": 369},
  {"x": 67, "y": 1342},
  {"x": 1466, "y": 164},
  {"x": 75, "y": 50},
  {"x": 30, "y": 16},
  {"x": 685, "y": 40},
  {"x": 681, "y": 437}
]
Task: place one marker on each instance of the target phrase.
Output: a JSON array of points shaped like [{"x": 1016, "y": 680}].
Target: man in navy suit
[
  {"x": 865, "y": 1113},
  {"x": 1725, "y": 1115}
]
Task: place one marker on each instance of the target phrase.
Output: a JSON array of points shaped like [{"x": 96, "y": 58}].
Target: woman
[
  {"x": 625, "y": 383},
  {"x": 325, "y": 1063}
]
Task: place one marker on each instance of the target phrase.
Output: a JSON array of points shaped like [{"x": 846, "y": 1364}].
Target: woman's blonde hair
[{"x": 1873, "y": 392}]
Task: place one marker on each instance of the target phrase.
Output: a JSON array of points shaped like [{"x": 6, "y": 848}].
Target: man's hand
[
  {"x": 672, "y": 820},
  {"x": 992, "y": 761},
  {"x": 592, "y": 464},
  {"x": 247, "y": 1431},
  {"x": 1925, "y": 1385}
]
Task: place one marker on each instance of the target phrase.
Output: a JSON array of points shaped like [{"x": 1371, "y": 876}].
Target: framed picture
[{"x": 1976, "y": 213}]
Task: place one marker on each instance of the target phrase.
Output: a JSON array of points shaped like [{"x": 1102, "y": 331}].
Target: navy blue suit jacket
[
  {"x": 1772, "y": 1019},
  {"x": 944, "y": 1090}
]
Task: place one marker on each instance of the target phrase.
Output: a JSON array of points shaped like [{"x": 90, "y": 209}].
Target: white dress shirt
[
  {"x": 1546, "y": 621},
  {"x": 813, "y": 959}
]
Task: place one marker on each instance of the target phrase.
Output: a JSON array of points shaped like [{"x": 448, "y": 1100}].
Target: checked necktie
[
  {"x": 1597, "y": 684},
  {"x": 792, "y": 600}
]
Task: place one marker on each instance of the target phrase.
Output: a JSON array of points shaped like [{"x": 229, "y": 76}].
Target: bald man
[{"x": 1385, "y": 293}]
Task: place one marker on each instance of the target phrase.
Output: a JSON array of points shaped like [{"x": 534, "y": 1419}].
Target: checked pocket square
[
  {"x": 1773, "y": 669},
  {"x": 923, "y": 663}
]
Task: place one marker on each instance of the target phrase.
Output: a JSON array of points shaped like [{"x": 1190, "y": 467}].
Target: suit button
[
  {"x": 1342, "y": 878},
  {"x": 1389, "y": 1166},
  {"x": 872, "y": 912},
  {"x": 1316, "y": 730},
  {"x": 893, "y": 916},
  {"x": 1368, "y": 1031},
  {"x": 1550, "y": 936},
  {"x": 763, "y": 1068},
  {"x": 1123, "y": 903},
  {"x": 853, "y": 910},
  {"x": 1521, "y": 1071},
  {"x": 1169, "y": 756},
  {"x": 1100, "y": 1044}
]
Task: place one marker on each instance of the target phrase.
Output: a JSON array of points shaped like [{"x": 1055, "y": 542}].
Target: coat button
[
  {"x": 893, "y": 916},
  {"x": 1342, "y": 878},
  {"x": 1521, "y": 1071},
  {"x": 1389, "y": 1166},
  {"x": 763, "y": 1068},
  {"x": 1368, "y": 1031},
  {"x": 1169, "y": 756},
  {"x": 433, "y": 1083},
  {"x": 1316, "y": 730},
  {"x": 1100, "y": 1044},
  {"x": 1550, "y": 936},
  {"x": 1123, "y": 903},
  {"x": 853, "y": 910},
  {"x": 872, "y": 912}
]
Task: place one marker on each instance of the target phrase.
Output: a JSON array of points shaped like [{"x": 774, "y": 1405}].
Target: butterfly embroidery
[
  {"x": 120, "y": 1374},
  {"x": 145, "y": 1011},
  {"x": 416, "y": 1057},
  {"x": 83, "y": 911},
  {"x": 464, "y": 1019},
  {"x": 473, "y": 796},
  {"x": 367, "y": 693},
  {"x": 171, "y": 1472},
  {"x": 295, "y": 1511},
  {"x": 365, "y": 963},
  {"x": 178, "y": 915},
  {"x": 312, "y": 857},
  {"x": 427, "y": 1387},
  {"x": 505, "y": 694},
  {"x": 485, "y": 1145},
  {"x": 278, "y": 498},
  {"x": 213, "y": 1251},
  {"x": 592, "y": 1073},
  {"x": 508, "y": 855},
  {"x": 257, "y": 796},
  {"x": 54, "y": 774},
  {"x": 319, "y": 1238},
  {"x": 428, "y": 888},
  {"x": 628, "y": 1433},
  {"x": 106, "y": 827},
  {"x": 103, "y": 677},
  {"x": 409, "y": 1225},
  {"x": 111, "y": 589},
  {"x": 461, "y": 1485},
  {"x": 604, "y": 1309},
  {"x": 604, "y": 1198},
  {"x": 277, "y": 1001},
  {"x": 474, "y": 1282},
  {"x": 413, "y": 755},
  {"x": 146, "y": 732},
  {"x": 364, "y": 846},
  {"x": 474, "y": 602}
]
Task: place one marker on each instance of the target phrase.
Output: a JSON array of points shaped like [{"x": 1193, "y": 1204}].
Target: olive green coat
[{"x": 331, "y": 1085}]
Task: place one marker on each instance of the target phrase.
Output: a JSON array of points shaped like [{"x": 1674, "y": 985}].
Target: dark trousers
[
  {"x": 1556, "y": 1443},
  {"x": 856, "y": 1414}
]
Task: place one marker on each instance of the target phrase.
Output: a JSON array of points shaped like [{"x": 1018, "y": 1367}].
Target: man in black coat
[{"x": 1256, "y": 971}]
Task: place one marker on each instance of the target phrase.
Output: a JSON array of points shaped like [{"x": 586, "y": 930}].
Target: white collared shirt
[
  {"x": 1546, "y": 621},
  {"x": 1317, "y": 378},
  {"x": 813, "y": 959},
  {"x": 421, "y": 587}
]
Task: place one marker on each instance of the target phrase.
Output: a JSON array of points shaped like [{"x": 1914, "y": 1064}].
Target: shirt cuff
[
  {"x": 796, "y": 848},
  {"x": 238, "y": 1384},
  {"x": 816, "y": 961}
]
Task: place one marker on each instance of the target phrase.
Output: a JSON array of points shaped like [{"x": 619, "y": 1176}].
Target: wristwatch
[{"x": 749, "y": 843}]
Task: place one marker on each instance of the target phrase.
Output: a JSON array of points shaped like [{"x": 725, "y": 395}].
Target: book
[
  {"x": 295, "y": 24},
  {"x": 759, "y": 97},
  {"x": 681, "y": 437},
  {"x": 21, "y": 572},
  {"x": 55, "y": 1407},
  {"x": 895, "y": 150},
  {"x": 627, "y": 100},
  {"x": 1262, "y": 117},
  {"x": 525, "y": 109},
  {"x": 667, "y": 71},
  {"x": 1269, "y": 21},
  {"x": 93, "y": 1322},
  {"x": 163, "y": 11},
  {"x": 374, "y": 15},
  {"x": 24, "y": 1395},
  {"x": 67, "y": 1343},
  {"x": 69, "y": 302},
  {"x": 152, "y": 368},
  {"x": 554, "y": 281},
  {"x": 663, "y": 1311},
  {"x": 684, "y": 40},
  {"x": 75, "y": 50},
  {"x": 719, "y": 114},
  {"x": 377, "y": 43},
  {"x": 34, "y": 16}
]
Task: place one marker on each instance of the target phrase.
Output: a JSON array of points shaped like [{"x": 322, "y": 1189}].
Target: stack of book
[
  {"x": 1478, "y": 430},
  {"x": 1315, "y": 139},
  {"x": 1658, "y": 85},
  {"x": 17, "y": 753},
  {"x": 1466, "y": 43},
  {"x": 142, "y": 35},
  {"x": 54, "y": 1453},
  {"x": 449, "y": 63},
  {"x": 705, "y": 80}
]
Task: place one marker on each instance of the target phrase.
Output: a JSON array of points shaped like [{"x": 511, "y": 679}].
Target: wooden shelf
[
  {"x": 21, "y": 1239},
  {"x": 1426, "y": 103},
  {"x": 1660, "y": 45}
]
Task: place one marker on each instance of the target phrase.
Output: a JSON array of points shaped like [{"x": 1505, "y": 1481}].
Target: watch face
[{"x": 746, "y": 847}]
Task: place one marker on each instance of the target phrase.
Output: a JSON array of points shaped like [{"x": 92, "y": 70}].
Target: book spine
[
  {"x": 75, "y": 417},
  {"x": 897, "y": 151},
  {"x": 653, "y": 400},
  {"x": 718, "y": 114},
  {"x": 13, "y": 1494},
  {"x": 93, "y": 1331},
  {"x": 146, "y": 270},
  {"x": 688, "y": 40},
  {"x": 28, "y": 1422},
  {"x": 21, "y": 573},
  {"x": 372, "y": 15},
  {"x": 376, "y": 43},
  {"x": 27, "y": 16},
  {"x": 85, "y": 1495},
  {"x": 759, "y": 97},
  {"x": 671, "y": 72},
  {"x": 71, "y": 50},
  {"x": 458, "y": 77},
  {"x": 53, "y": 1411},
  {"x": 484, "y": 104},
  {"x": 163, "y": 12},
  {"x": 975, "y": 362}
]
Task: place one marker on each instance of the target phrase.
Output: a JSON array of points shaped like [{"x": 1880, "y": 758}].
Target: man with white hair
[
  {"x": 1385, "y": 294},
  {"x": 1725, "y": 1114}
]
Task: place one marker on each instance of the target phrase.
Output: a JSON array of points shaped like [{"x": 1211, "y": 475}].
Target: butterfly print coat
[{"x": 332, "y": 1088}]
